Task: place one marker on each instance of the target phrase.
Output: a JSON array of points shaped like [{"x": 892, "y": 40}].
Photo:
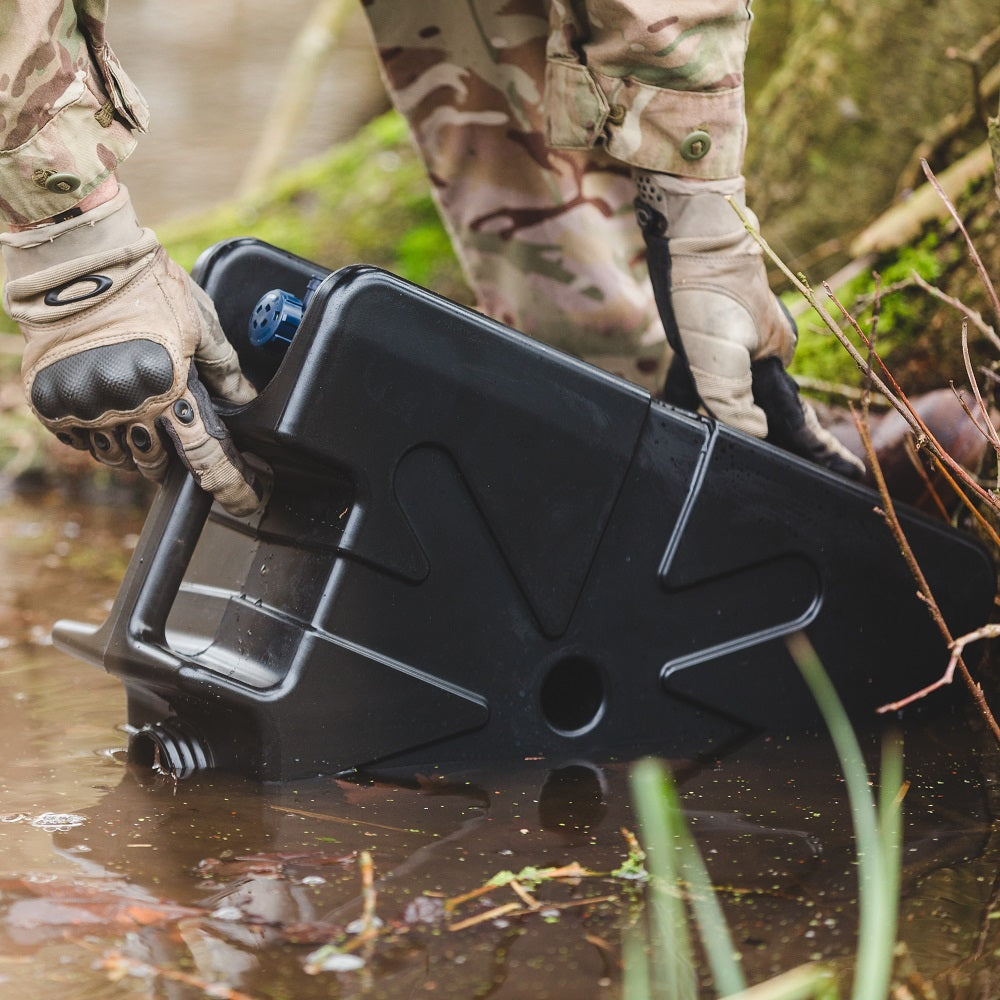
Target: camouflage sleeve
[
  {"x": 68, "y": 113},
  {"x": 659, "y": 84}
]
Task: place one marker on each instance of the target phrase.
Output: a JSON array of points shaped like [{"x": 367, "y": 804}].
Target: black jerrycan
[{"x": 478, "y": 549}]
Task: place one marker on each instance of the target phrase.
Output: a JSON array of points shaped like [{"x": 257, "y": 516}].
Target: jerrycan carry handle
[{"x": 133, "y": 637}]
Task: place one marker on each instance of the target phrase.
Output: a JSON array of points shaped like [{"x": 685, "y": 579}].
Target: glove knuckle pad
[{"x": 111, "y": 377}]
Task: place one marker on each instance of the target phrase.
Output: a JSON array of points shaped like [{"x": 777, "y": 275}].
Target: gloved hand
[
  {"x": 731, "y": 337},
  {"x": 123, "y": 348}
]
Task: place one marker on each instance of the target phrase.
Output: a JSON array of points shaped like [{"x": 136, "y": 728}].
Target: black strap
[{"x": 679, "y": 389}]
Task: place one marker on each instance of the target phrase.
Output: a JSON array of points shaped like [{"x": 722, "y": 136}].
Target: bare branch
[
  {"x": 925, "y": 594},
  {"x": 973, "y": 316},
  {"x": 895, "y": 395},
  {"x": 988, "y": 431},
  {"x": 976, "y": 259}
]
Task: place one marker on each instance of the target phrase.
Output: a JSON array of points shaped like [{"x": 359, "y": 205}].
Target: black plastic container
[{"x": 478, "y": 548}]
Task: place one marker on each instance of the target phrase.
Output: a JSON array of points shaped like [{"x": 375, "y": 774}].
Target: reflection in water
[{"x": 106, "y": 871}]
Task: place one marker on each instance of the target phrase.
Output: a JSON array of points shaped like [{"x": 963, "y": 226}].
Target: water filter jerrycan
[{"x": 479, "y": 549}]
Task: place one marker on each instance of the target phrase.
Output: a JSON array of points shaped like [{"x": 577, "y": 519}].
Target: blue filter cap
[{"x": 275, "y": 319}]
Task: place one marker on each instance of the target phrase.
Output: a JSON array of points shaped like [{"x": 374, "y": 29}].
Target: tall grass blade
[
  {"x": 805, "y": 982},
  {"x": 723, "y": 958},
  {"x": 657, "y": 799},
  {"x": 636, "y": 982},
  {"x": 878, "y": 849},
  {"x": 673, "y": 969}
]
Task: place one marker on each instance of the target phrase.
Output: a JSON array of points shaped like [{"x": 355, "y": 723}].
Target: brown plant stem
[
  {"x": 973, "y": 316},
  {"x": 991, "y": 292},
  {"x": 970, "y": 506},
  {"x": 895, "y": 395},
  {"x": 989, "y": 431},
  {"x": 119, "y": 965},
  {"x": 911, "y": 454},
  {"x": 888, "y": 512},
  {"x": 367, "y": 889}
]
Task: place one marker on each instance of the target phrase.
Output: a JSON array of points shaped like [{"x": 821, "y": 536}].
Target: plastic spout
[{"x": 170, "y": 747}]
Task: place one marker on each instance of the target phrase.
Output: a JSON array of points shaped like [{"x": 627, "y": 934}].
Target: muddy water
[{"x": 116, "y": 883}]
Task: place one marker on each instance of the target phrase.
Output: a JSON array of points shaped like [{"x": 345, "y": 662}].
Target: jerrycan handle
[{"x": 132, "y": 640}]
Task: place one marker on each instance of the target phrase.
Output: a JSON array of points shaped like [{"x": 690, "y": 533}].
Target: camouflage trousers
[{"x": 530, "y": 115}]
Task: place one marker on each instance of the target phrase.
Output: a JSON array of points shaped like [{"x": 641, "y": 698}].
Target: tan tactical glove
[
  {"x": 121, "y": 346},
  {"x": 731, "y": 337}
]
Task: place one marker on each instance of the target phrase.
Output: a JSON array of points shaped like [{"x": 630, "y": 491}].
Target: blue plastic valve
[{"x": 277, "y": 316}]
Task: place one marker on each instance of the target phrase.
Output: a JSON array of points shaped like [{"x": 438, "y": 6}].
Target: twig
[
  {"x": 911, "y": 454},
  {"x": 904, "y": 220},
  {"x": 634, "y": 847},
  {"x": 924, "y": 592},
  {"x": 894, "y": 395},
  {"x": 990, "y": 434},
  {"x": 979, "y": 51},
  {"x": 969, "y": 505},
  {"x": 572, "y": 904},
  {"x": 309, "y": 814},
  {"x": 958, "y": 646},
  {"x": 820, "y": 385},
  {"x": 991, "y": 292},
  {"x": 989, "y": 431},
  {"x": 119, "y": 965},
  {"x": 993, "y": 141},
  {"x": 517, "y": 909},
  {"x": 524, "y": 895},
  {"x": 974, "y": 317},
  {"x": 495, "y": 913},
  {"x": 905, "y": 408},
  {"x": 974, "y": 61},
  {"x": 368, "y": 893},
  {"x": 973, "y": 58},
  {"x": 456, "y": 901},
  {"x": 572, "y": 870},
  {"x": 296, "y": 90}
]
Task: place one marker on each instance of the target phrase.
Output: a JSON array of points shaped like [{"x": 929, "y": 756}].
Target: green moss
[
  {"x": 367, "y": 201},
  {"x": 901, "y": 315}
]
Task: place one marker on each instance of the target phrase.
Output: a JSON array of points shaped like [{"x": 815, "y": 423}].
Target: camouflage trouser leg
[
  {"x": 547, "y": 237},
  {"x": 547, "y": 233}
]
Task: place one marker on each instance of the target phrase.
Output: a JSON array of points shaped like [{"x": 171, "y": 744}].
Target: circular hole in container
[{"x": 572, "y": 696}]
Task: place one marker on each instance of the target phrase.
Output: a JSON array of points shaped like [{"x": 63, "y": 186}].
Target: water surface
[{"x": 117, "y": 883}]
